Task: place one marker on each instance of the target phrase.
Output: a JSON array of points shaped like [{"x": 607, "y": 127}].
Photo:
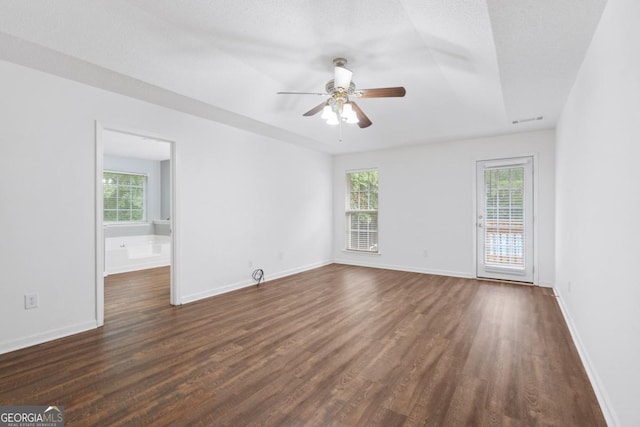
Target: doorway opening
[
  {"x": 135, "y": 209},
  {"x": 504, "y": 222}
]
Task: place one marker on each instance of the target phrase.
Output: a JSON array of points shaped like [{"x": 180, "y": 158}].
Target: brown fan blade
[
  {"x": 381, "y": 92},
  {"x": 301, "y": 93},
  {"x": 363, "y": 120},
  {"x": 315, "y": 110}
]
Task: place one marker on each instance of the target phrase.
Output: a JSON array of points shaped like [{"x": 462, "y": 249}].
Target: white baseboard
[
  {"x": 596, "y": 383},
  {"x": 246, "y": 283},
  {"x": 297, "y": 270},
  {"x": 463, "y": 275},
  {"x": 186, "y": 299},
  {"x": 545, "y": 285},
  {"x": 43, "y": 337}
]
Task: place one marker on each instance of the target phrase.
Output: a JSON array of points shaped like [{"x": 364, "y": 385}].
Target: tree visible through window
[
  {"x": 362, "y": 211},
  {"x": 124, "y": 197}
]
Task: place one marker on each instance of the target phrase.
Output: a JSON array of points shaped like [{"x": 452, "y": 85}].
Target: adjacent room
[{"x": 386, "y": 213}]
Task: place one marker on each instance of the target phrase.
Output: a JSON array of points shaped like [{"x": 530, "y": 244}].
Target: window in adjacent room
[
  {"x": 124, "y": 197},
  {"x": 362, "y": 211}
]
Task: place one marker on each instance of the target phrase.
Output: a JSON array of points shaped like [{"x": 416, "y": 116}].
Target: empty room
[{"x": 288, "y": 213}]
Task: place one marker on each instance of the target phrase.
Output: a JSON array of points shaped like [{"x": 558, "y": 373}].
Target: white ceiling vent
[{"x": 529, "y": 119}]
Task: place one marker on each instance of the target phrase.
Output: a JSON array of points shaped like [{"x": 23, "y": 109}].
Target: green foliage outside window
[
  {"x": 504, "y": 190},
  {"x": 124, "y": 197},
  {"x": 362, "y": 211},
  {"x": 363, "y": 190}
]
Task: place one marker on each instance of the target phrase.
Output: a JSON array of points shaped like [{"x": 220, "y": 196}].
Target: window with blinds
[
  {"x": 124, "y": 197},
  {"x": 504, "y": 217},
  {"x": 362, "y": 211}
]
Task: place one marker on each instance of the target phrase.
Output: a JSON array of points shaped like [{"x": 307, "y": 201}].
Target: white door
[{"x": 504, "y": 221}]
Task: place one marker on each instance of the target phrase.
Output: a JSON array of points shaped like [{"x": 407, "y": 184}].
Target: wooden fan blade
[
  {"x": 363, "y": 120},
  {"x": 315, "y": 110},
  {"x": 381, "y": 92},
  {"x": 301, "y": 93}
]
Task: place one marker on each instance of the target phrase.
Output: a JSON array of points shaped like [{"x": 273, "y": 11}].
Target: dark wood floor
[{"x": 338, "y": 345}]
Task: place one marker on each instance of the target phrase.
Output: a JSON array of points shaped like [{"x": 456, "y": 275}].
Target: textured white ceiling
[{"x": 470, "y": 67}]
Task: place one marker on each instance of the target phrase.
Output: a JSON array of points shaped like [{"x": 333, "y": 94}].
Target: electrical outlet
[
  {"x": 250, "y": 264},
  {"x": 569, "y": 287},
  {"x": 30, "y": 301},
  {"x": 281, "y": 255},
  {"x": 425, "y": 253}
]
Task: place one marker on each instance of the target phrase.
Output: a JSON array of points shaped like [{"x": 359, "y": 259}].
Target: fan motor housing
[{"x": 331, "y": 89}]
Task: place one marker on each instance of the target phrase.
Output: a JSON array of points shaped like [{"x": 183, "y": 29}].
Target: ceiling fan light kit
[{"x": 338, "y": 108}]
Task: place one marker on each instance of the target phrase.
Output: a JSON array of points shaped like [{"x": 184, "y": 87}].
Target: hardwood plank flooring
[{"x": 338, "y": 345}]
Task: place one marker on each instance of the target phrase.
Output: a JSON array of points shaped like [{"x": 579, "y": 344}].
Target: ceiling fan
[{"x": 338, "y": 108}]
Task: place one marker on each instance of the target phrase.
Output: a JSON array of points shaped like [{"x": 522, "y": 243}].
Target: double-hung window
[
  {"x": 124, "y": 197},
  {"x": 362, "y": 211}
]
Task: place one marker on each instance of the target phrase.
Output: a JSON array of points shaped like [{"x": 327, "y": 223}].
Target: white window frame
[
  {"x": 349, "y": 212},
  {"x": 144, "y": 197}
]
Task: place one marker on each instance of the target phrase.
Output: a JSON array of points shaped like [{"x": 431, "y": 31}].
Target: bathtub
[{"x": 132, "y": 253}]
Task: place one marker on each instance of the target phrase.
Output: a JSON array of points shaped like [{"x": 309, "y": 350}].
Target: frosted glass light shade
[
  {"x": 326, "y": 112},
  {"x": 333, "y": 119},
  {"x": 342, "y": 77},
  {"x": 349, "y": 114}
]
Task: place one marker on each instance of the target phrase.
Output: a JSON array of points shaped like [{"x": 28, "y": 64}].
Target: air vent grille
[{"x": 529, "y": 119}]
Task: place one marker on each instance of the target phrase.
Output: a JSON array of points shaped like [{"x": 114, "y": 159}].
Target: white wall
[
  {"x": 598, "y": 211},
  {"x": 427, "y": 199},
  {"x": 165, "y": 189},
  {"x": 241, "y": 197}
]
